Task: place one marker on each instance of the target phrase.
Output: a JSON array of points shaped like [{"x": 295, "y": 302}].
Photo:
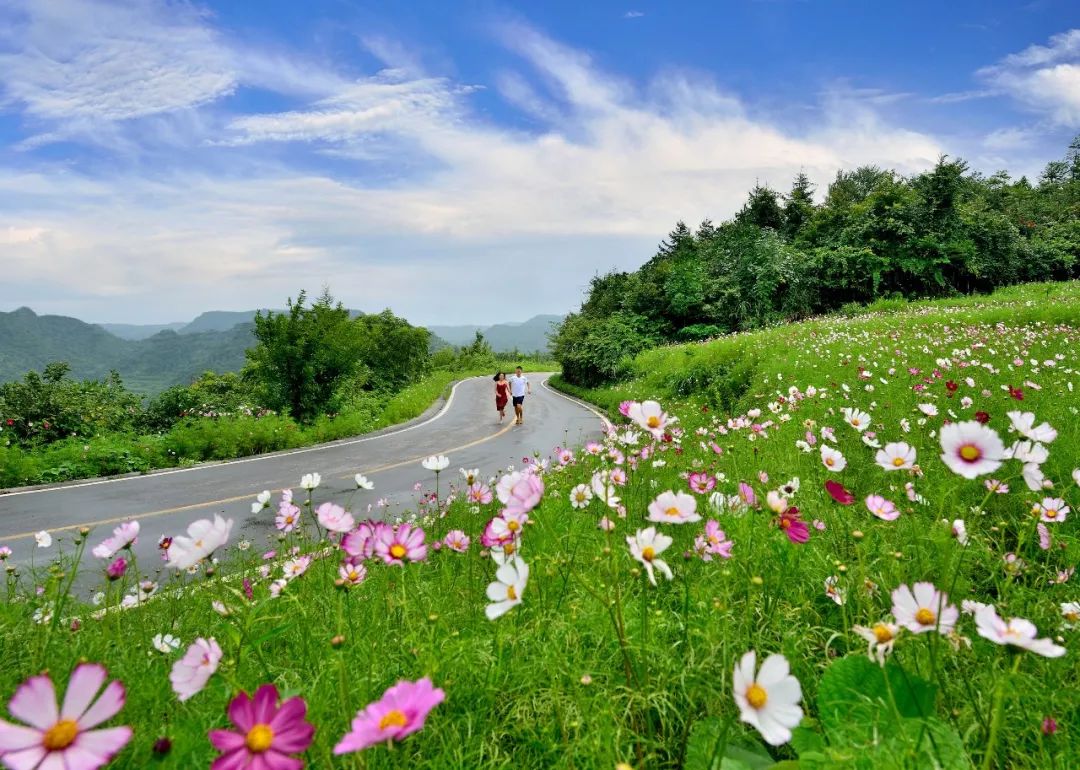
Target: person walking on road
[
  {"x": 502, "y": 394},
  {"x": 519, "y": 387}
]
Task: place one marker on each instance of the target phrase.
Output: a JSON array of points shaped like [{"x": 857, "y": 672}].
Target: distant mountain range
[
  {"x": 527, "y": 336},
  {"x": 153, "y": 357}
]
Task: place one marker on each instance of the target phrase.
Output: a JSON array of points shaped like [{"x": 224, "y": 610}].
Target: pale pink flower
[
  {"x": 1052, "y": 510},
  {"x": 400, "y": 712},
  {"x": 352, "y": 571},
  {"x": 674, "y": 508},
  {"x": 288, "y": 517},
  {"x": 334, "y": 518},
  {"x": 394, "y": 546},
  {"x": 62, "y": 737},
  {"x": 1017, "y": 632},
  {"x": 479, "y": 493},
  {"x": 122, "y": 537},
  {"x": 650, "y": 416},
  {"x": 971, "y": 449},
  {"x": 191, "y": 673},
  {"x": 833, "y": 459},
  {"x": 882, "y": 508},
  {"x": 923, "y": 609},
  {"x": 456, "y": 540},
  {"x": 897, "y": 456}
]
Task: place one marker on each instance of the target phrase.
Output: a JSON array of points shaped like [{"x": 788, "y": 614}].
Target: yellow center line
[{"x": 208, "y": 503}]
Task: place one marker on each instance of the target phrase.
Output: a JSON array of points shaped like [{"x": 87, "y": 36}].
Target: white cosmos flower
[
  {"x": 650, "y": 416},
  {"x": 832, "y": 458},
  {"x": 1017, "y": 632},
  {"x": 971, "y": 449},
  {"x": 959, "y": 531},
  {"x": 203, "y": 538},
  {"x": 1024, "y": 424},
  {"x": 856, "y": 418},
  {"x": 261, "y": 501},
  {"x": 928, "y": 409},
  {"x": 896, "y": 456},
  {"x": 43, "y": 539},
  {"x": 1033, "y": 476},
  {"x": 1076, "y": 476},
  {"x": 1027, "y": 452},
  {"x": 165, "y": 643},
  {"x": 880, "y": 639},
  {"x": 1070, "y": 612},
  {"x": 768, "y": 699},
  {"x": 1052, "y": 510},
  {"x": 436, "y": 463},
  {"x": 310, "y": 481},
  {"x": 505, "y": 593},
  {"x": 580, "y": 496},
  {"x": 604, "y": 490},
  {"x": 362, "y": 482},
  {"x": 923, "y": 609},
  {"x": 645, "y": 546}
]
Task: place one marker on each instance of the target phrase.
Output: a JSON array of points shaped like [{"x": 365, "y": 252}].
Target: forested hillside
[{"x": 875, "y": 234}]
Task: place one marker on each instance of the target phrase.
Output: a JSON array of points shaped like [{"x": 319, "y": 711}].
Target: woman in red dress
[{"x": 502, "y": 393}]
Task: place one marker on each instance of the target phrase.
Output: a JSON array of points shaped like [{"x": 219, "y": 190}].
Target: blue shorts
[{"x": 519, "y": 400}]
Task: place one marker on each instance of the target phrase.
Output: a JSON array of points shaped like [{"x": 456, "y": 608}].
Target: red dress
[{"x": 502, "y": 394}]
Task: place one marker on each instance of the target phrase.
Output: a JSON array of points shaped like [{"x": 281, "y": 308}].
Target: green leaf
[
  {"x": 703, "y": 741},
  {"x": 806, "y": 740}
]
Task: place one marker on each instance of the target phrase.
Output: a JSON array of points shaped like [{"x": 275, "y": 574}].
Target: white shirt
[{"x": 517, "y": 384}]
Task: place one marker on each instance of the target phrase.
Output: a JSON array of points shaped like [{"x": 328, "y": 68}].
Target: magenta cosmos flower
[
  {"x": 702, "y": 483},
  {"x": 400, "y": 712},
  {"x": 266, "y": 734},
  {"x": 394, "y": 546},
  {"x": 63, "y": 737},
  {"x": 838, "y": 493},
  {"x": 792, "y": 525}
]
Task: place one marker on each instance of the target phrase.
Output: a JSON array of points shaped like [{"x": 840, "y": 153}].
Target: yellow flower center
[
  {"x": 883, "y": 633},
  {"x": 354, "y": 575},
  {"x": 511, "y": 594},
  {"x": 288, "y": 519},
  {"x": 653, "y": 421},
  {"x": 1051, "y": 513},
  {"x": 970, "y": 453},
  {"x": 512, "y": 525},
  {"x": 672, "y": 511},
  {"x": 259, "y": 738},
  {"x": 1072, "y": 617},
  {"x": 855, "y": 422},
  {"x": 392, "y": 718},
  {"x": 925, "y": 617},
  {"x": 508, "y": 549},
  {"x": 61, "y": 735},
  {"x": 898, "y": 461},
  {"x": 397, "y": 550},
  {"x": 829, "y": 461},
  {"x": 648, "y": 553},
  {"x": 756, "y": 695}
]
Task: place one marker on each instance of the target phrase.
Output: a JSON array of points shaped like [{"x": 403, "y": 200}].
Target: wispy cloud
[
  {"x": 633, "y": 15},
  {"x": 1044, "y": 78}
]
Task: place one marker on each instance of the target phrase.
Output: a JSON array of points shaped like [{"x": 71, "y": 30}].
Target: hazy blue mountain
[
  {"x": 139, "y": 331},
  {"x": 29, "y": 341},
  {"x": 219, "y": 321},
  {"x": 525, "y": 336}
]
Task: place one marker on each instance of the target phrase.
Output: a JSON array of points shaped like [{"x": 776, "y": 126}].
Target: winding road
[{"x": 464, "y": 428}]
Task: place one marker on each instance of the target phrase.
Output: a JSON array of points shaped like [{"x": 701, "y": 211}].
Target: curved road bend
[{"x": 466, "y": 430}]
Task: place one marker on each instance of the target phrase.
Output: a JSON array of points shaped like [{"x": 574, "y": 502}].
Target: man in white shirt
[{"x": 519, "y": 387}]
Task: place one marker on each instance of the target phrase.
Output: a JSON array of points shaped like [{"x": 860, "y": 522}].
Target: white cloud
[
  {"x": 468, "y": 205},
  {"x": 94, "y": 61},
  {"x": 633, "y": 15},
  {"x": 1045, "y": 79}
]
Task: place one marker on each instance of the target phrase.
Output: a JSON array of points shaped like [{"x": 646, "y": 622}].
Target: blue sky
[{"x": 468, "y": 162}]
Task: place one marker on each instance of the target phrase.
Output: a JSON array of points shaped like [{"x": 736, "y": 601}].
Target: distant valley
[{"x": 153, "y": 357}]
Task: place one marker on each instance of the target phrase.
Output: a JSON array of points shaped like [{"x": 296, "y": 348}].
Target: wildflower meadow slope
[{"x": 848, "y": 543}]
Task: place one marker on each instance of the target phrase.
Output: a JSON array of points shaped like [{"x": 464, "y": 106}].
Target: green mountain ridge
[{"x": 526, "y": 336}]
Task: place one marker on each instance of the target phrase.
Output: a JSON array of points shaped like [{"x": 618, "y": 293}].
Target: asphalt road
[{"x": 465, "y": 429}]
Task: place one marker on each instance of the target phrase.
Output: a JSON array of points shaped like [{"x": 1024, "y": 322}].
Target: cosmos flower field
[{"x": 848, "y": 543}]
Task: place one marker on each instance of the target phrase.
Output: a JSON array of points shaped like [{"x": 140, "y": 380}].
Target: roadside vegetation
[
  {"x": 314, "y": 375},
  {"x": 847, "y": 544}
]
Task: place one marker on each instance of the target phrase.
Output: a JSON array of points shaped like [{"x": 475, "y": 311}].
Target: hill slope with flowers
[{"x": 847, "y": 543}]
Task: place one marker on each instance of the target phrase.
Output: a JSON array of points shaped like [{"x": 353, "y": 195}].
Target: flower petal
[
  {"x": 17, "y": 737},
  {"x": 86, "y": 681},
  {"x": 35, "y": 703},
  {"x": 106, "y": 707}
]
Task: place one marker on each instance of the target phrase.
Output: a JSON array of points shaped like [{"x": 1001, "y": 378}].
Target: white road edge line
[
  {"x": 257, "y": 458},
  {"x": 607, "y": 423}
]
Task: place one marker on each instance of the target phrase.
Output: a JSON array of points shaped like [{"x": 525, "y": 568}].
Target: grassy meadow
[{"x": 592, "y": 665}]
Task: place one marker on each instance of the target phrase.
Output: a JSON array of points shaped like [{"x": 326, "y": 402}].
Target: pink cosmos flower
[
  {"x": 1017, "y": 632},
  {"x": 125, "y": 535},
  {"x": 360, "y": 543},
  {"x": 606, "y": 524},
  {"x": 288, "y": 517},
  {"x": 352, "y": 571},
  {"x": 1052, "y": 510},
  {"x": 525, "y": 494},
  {"x": 191, "y": 673},
  {"x": 882, "y": 508},
  {"x": 971, "y": 449},
  {"x": 651, "y": 416},
  {"x": 116, "y": 569},
  {"x": 673, "y": 508},
  {"x": 479, "y": 493},
  {"x": 1044, "y": 536},
  {"x": 702, "y": 483},
  {"x": 394, "y": 546},
  {"x": 63, "y": 737},
  {"x": 746, "y": 493},
  {"x": 334, "y": 518},
  {"x": 497, "y": 534},
  {"x": 294, "y": 568},
  {"x": 456, "y": 540},
  {"x": 625, "y": 406},
  {"x": 267, "y": 733},
  {"x": 838, "y": 493},
  {"x": 713, "y": 541},
  {"x": 792, "y": 525},
  {"x": 400, "y": 712}
]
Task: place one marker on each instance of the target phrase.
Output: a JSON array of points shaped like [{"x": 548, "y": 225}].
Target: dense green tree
[{"x": 876, "y": 234}]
